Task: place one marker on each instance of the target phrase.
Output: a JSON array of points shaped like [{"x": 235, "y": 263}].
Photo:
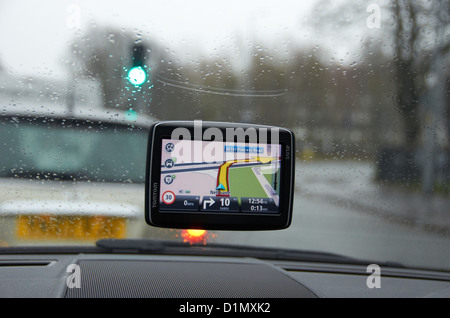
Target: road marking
[{"x": 266, "y": 185}]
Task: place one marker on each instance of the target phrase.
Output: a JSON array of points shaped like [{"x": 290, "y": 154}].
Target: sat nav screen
[{"x": 219, "y": 177}]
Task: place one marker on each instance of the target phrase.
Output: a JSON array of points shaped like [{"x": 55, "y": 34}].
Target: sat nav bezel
[{"x": 217, "y": 220}]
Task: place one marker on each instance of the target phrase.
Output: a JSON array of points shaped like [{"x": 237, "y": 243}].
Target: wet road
[{"x": 335, "y": 210}]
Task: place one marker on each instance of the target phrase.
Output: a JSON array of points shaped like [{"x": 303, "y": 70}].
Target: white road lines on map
[{"x": 265, "y": 184}]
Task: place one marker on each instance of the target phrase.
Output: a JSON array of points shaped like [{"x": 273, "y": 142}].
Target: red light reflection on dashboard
[{"x": 194, "y": 236}]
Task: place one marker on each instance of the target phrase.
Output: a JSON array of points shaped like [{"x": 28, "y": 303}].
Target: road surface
[{"x": 335, "y": 210}]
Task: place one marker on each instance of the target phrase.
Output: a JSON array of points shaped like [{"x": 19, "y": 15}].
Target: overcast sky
[{"x": 35, "y": 35}]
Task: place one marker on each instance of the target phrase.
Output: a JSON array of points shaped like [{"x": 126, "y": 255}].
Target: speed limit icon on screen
[{"x": 168, "y": 197}]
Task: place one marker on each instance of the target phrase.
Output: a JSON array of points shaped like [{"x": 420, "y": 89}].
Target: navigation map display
[{"x": 219, "y": 177}]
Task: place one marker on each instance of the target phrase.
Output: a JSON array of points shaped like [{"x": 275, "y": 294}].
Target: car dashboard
[{"x": 129, "y": 275}]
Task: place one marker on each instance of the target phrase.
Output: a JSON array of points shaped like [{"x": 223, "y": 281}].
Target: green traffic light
[{"x": 137, "y": 75}]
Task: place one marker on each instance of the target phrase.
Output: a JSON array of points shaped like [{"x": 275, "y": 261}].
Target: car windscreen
[
  {"x": 76, "y": 150},
  {"x": 364, "y": 86}
]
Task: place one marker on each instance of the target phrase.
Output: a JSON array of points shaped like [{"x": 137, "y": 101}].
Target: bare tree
[{"x": 406, "y": 61}]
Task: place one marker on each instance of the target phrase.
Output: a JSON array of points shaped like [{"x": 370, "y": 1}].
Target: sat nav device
[{"x": 219, "y": 176}]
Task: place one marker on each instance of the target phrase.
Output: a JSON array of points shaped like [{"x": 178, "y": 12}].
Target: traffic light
[{"x": 137, "y": 74}]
